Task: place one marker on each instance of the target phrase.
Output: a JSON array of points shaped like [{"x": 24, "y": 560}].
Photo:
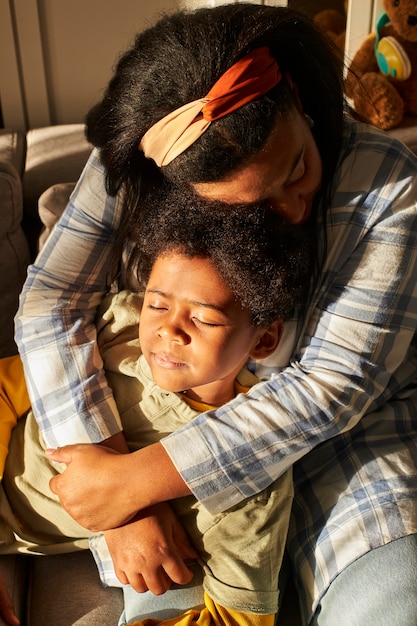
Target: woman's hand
[
  {"x": 102, "y": 489},
  {"x": 89, "y": 486},
  {"x": 148, "y": 552},
  {"x": 6, "y": 605}
]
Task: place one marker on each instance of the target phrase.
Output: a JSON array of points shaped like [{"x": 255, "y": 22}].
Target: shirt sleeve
[
  {"x": 55, "y": 330},
  {"x": 98, "y": 546},
  {"x": 354, "y": 352}
]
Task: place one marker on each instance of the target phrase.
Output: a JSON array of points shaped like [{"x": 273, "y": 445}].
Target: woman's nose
[{"x": 292, "y": 207}]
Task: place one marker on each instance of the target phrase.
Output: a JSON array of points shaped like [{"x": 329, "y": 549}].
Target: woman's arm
[
  {"x": 55, "y": 333},
  {"x": 355, "y": 351},
  {"x": 351, "y": 356},
  {"x": 115, "y": 479}
]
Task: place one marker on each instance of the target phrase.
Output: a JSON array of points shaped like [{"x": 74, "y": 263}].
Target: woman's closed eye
[{"x": 298, "y": 174}]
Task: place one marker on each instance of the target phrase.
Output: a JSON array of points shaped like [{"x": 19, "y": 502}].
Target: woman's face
[{"x": 284, "y": 176}]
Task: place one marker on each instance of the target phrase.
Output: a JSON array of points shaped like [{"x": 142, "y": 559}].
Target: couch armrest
[
  {"x": 55, "y": 154},
  {"x": 14, "y": 254},
  {"x": 13, "y": 149}
]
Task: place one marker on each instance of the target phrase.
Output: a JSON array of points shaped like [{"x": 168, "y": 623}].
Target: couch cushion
[
  {"x": 55, "y": 154},
  {"x": 406, "y": 132},
  {"x": 66, "y": 589}
]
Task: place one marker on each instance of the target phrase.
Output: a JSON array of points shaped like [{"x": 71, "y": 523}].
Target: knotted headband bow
[{"x": 251, "y": 77}]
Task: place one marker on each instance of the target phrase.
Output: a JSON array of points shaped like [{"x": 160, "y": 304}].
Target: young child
[{"x": 217, "y": 292}]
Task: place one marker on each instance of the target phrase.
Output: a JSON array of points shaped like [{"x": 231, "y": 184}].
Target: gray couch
[
  {"x": 30, "y": 164},
  {"x": 14, "y": 249},
  {"x": 61, "y": 590}
]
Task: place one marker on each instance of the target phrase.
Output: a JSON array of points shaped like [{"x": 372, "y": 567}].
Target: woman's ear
[{"x": 267, "y": 341}]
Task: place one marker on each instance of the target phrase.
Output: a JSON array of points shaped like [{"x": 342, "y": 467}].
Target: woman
[{"x": 343, "y": 411}]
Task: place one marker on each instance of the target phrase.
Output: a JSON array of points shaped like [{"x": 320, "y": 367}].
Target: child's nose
[{"x": 172, "y": 331}]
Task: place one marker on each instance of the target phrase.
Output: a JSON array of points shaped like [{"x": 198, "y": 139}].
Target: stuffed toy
[
  {"x": 382, "y": 78},
  {"x": 333, "y": 23}
]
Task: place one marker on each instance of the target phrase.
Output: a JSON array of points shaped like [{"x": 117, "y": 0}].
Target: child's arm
[{"x": 149, "y": 552}]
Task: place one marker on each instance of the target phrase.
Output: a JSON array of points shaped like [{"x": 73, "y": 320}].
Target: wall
[
  {"x": 81, "y": 40},
  {"x": 361, "y": 19},
  {"x": 56, "y": 56}
]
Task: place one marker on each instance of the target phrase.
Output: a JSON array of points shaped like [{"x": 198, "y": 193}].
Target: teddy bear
[
  {"x": 381, "y": 81},
  {"x": 333, "y": 23}
]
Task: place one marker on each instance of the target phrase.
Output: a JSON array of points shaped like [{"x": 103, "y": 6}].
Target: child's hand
[
  {"x": 148, "y": 552},
  {"x": 6, "y": 605}
]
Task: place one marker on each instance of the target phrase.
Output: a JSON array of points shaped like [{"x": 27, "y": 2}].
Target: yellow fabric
[
  {"x": 211, "y": 614},
  {"x": 197, "y": 405},
  {"x": 14, "y": 401},
  {"x": 240, "y": 388}
]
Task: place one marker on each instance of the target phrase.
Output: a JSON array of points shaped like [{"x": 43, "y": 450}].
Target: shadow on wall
[{"x": 311, "y": 7}]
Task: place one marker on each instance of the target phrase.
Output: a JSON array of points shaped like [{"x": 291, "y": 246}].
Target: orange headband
[{"x": 246, "y": 80}]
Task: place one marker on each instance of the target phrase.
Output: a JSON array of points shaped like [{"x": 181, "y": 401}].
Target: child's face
[{"x": 193, "y": 333}]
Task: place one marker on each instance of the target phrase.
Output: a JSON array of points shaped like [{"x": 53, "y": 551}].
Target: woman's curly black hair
[
  {"x": 179, "y": 59},
  {"x": 265, "y": 261}
]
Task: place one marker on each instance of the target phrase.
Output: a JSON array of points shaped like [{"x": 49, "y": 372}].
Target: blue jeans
[
  {"x": 379, "y": 589},
  {"x": 174, "y": 602}
]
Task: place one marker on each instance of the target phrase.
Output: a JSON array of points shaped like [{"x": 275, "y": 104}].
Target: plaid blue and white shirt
[{"x": 342, "y": 410}]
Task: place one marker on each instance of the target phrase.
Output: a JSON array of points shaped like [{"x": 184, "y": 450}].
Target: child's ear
[{"x": 268, "y": 341}]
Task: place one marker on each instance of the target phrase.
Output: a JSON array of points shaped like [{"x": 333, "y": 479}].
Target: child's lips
[{"x": 167, "y": 361}]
